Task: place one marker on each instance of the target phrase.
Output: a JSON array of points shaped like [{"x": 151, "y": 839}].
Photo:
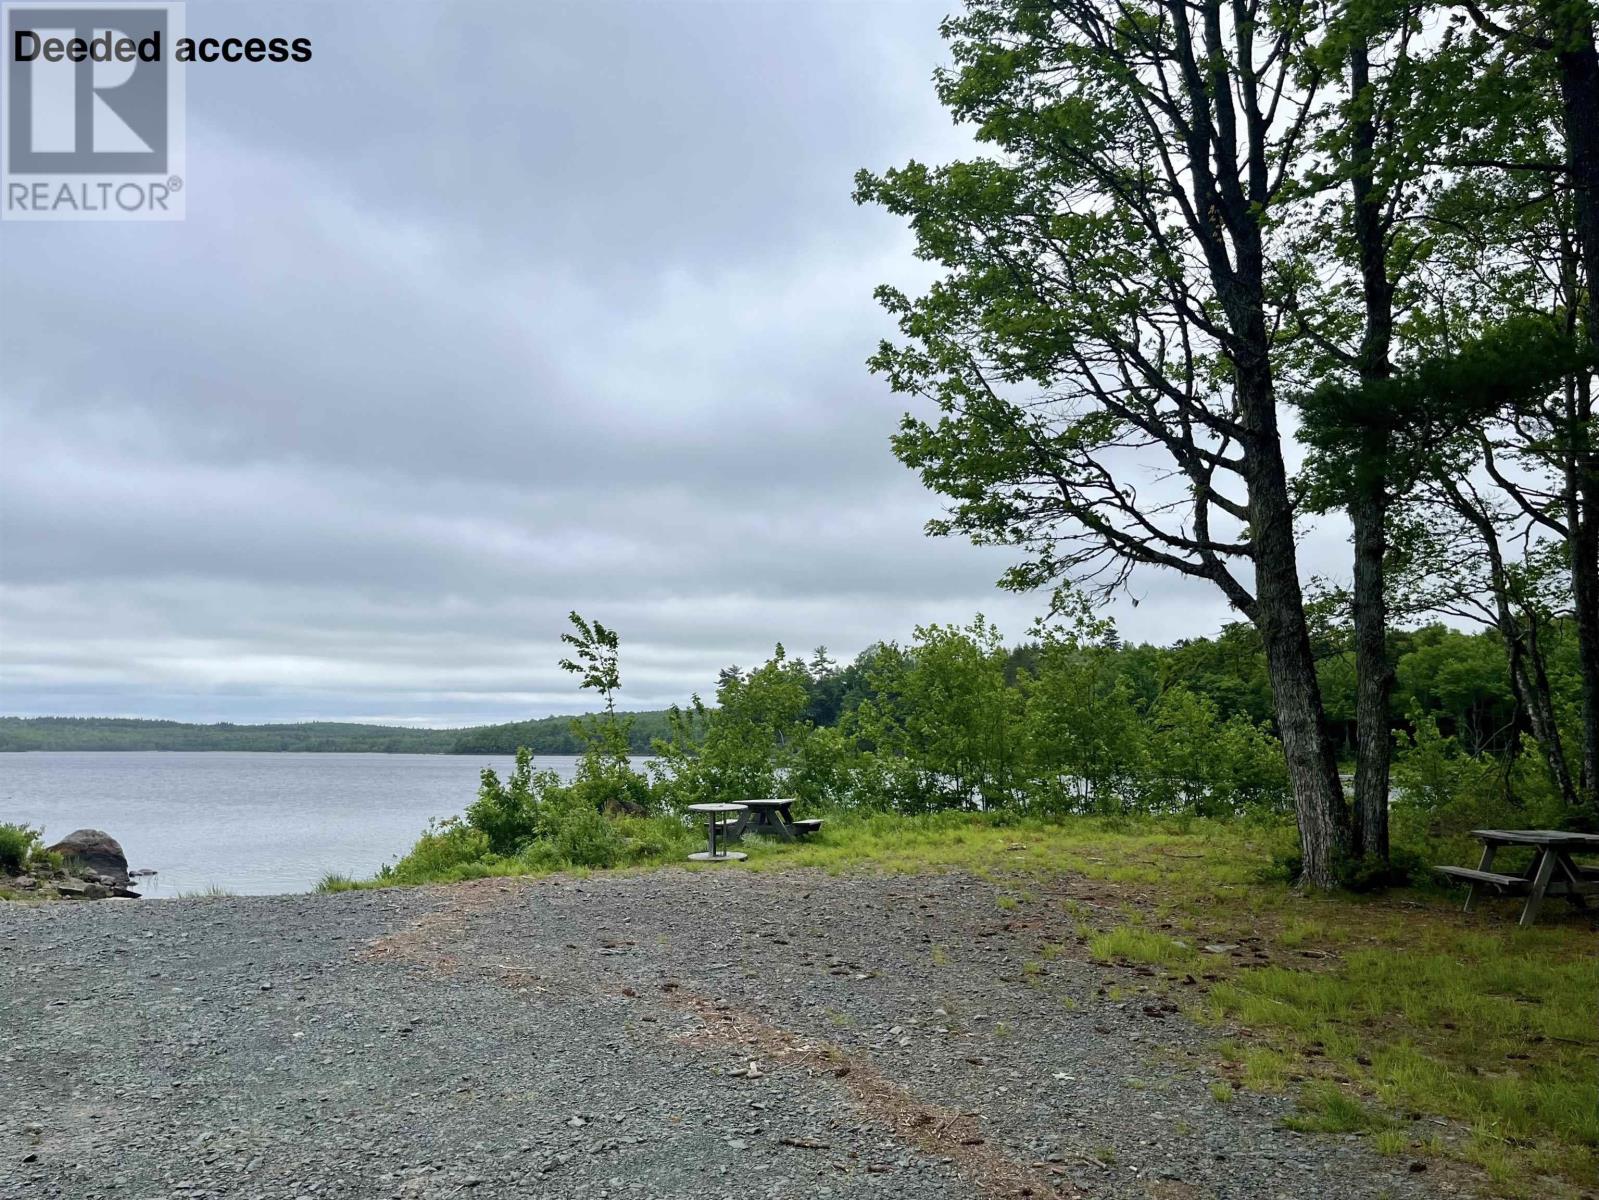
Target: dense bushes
[
  {"x": 955, "y": 722},
  {"x": 18, "y": 845},
  {"x": 951, "y": 722},
  {"x": 1442, "y": 793}
]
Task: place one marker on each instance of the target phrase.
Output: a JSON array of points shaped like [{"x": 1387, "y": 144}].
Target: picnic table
[
  {"x": 716, "y": 820},
  {"x": 1552, "y": 872},
  {"x": 774, "y": 815}
]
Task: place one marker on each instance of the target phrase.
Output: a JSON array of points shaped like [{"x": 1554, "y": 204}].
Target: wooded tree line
[
  {"x": 1071, "y": 721},
  {"x": 1080, "y": 722},
  {"x": 1224, "y": 268},
  {"x": 545, "y": 735}
]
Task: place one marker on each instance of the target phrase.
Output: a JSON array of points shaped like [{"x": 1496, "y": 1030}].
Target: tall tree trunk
[
  {"x": 1368, "y": 508},
  {"x": 1280, "y": 616},
  {"x": 1584, "y": 550},
  {"x": 1374, "y": 675},
  {"x": 1241, "y": 190},
  {"x": 1578, "y": 65}
]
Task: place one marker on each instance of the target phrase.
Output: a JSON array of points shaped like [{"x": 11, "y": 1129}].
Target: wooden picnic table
[
  {"x": 1552, "y": 872},
  {"x": 713, "y": 826},
  {"x": 774, "y": 815}
]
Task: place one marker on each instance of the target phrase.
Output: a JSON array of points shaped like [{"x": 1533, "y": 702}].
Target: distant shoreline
[{"x": 547, "y": 735}]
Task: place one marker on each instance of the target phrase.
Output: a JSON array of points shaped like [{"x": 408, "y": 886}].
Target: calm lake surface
[{"x": 249, "y": 823}]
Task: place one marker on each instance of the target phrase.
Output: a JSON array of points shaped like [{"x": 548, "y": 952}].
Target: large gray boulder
[{"x": 94, "y": 850}]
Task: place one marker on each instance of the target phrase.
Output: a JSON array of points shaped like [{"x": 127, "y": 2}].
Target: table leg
[
  {"x": 1489, "y": 849},
  {"x": 1544, "y": 869},
  {"x": 710, "y": 833},
  {"x": 1573, "y": 878}
]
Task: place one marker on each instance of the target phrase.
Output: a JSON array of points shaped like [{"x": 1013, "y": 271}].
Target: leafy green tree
[
  {"x": 944, "y": 707},
  {"x": 1085, "y": 737},
  {"x": 1108, "y": 292},
  {"x": 605, "y": 773},
  {"x": 1522, "y": 206},
  {"x": 752, "y": 744},
  {"x": 1553, "y": 42},
  {"x": 1199, "y": 763},
  {"x": 1438, "y": 416},
  {"x": 1350, "y": 299}
]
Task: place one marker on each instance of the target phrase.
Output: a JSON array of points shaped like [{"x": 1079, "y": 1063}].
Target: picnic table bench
[
  {"x": 774, "y": 815},
  {"x": 1552, "y": 872}
]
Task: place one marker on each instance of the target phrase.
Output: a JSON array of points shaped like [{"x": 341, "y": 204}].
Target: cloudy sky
[{"x": 487, "y": 313}]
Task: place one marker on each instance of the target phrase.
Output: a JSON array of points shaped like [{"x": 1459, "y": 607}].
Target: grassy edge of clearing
[{"x": 1373, "y": 1012}]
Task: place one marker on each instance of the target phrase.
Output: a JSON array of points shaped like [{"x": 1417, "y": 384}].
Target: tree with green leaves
[
  {"x": 1085, "y": 738},
  {"x": 1437, "y": 422},
  {"x": 1107, "y": 299},
  {"x": 1530, "y": 131},
  {"x": 605, "y": 772},
  {"x": 1346, "y": 295},
  {"x": 944, "y": 706}
]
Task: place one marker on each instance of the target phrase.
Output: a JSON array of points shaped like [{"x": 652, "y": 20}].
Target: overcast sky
[{"x": 487, "y": 313}]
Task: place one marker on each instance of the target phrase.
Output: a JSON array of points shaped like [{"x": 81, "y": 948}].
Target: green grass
[
  {"x": 208, "y": 891},
  {"x": 1266, "y": 1070},
  {"x": 1389, "y": 1142},
  {"x": 1326, "y": 1108},
  {"x": 1132, "y": 944}
]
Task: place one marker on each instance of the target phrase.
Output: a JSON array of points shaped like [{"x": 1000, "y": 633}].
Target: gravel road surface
[{"x": 673, "y": 1034}]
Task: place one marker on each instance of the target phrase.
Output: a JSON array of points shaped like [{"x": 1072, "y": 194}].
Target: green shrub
[
  {"x": 1209, "y": 766},
  {"x": 444, "y": 847},
  {"x": 18, "y": 845},
  {"x": 1404, "y": 867},
  {"x": 586, "y": 838},
  {"x": 511, "y": 814},
  {"x": 656, "y": 839}
]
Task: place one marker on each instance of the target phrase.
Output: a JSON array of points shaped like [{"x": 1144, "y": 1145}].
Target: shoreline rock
[
  {"x": 95, "y": 852},
  {"x": 93, "y": 867}
]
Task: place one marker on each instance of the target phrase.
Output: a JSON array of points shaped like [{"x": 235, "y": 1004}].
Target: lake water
[{"x": 248, "y": 823}]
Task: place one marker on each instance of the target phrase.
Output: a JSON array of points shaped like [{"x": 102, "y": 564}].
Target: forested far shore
[
  {"x": 1457, "y": 680},
  {"x": 548, "y": 735}
]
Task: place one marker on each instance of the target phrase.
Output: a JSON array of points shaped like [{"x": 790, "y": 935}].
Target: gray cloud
[{"x": 487, "y": 313}]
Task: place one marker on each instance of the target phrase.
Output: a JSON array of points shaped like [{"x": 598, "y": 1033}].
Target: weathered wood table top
[{"x": 1565, "y": 839}]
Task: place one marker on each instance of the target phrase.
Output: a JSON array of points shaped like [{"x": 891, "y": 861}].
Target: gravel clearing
[{"x": 672, "y": 1034}]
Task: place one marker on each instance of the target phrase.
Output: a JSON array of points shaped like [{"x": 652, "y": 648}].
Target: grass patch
[
  {"x": 1390, "y": 1142},
  {"x": 1326, "y": 1108},
  {"x": 1132, "y": 944},
  {"x": 1266, "y": 1070}
]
